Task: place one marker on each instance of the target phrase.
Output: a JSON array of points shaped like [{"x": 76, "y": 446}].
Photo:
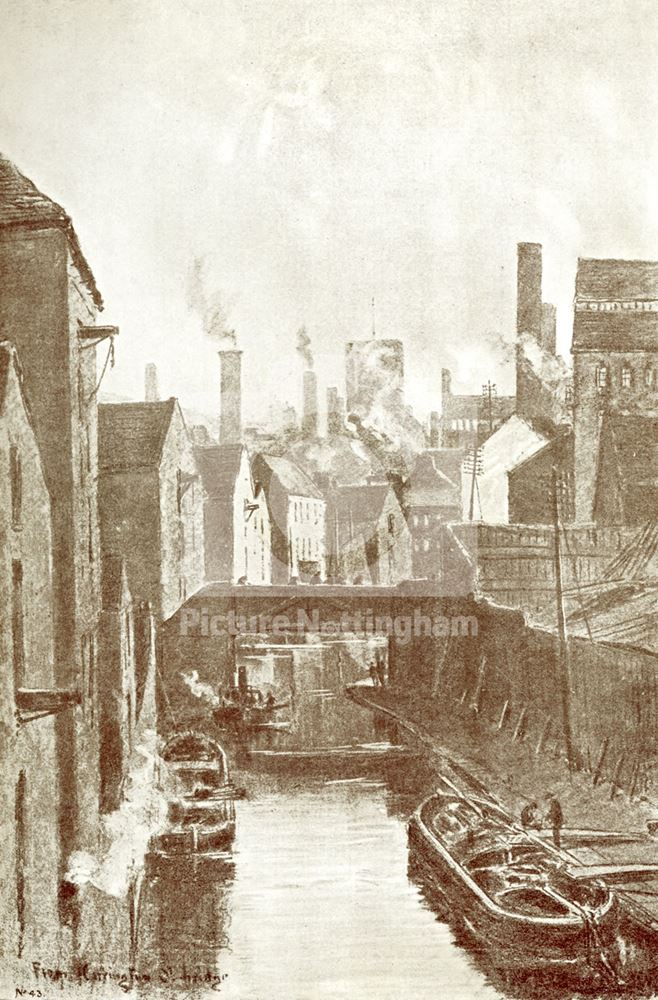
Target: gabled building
[
  {"x": 30, "y": 860},
  {"x": 49, "y": 305},
  {"x": 368, "y": 539},
  {"x": 615, "y": 359},
  {"x": 485, "y": 489},
  {"x": 237, "y": 534},
  {"x": 151, "y": 501},
  {"x": 432, "y": 498},
  {"x": 297, "y": 511}
]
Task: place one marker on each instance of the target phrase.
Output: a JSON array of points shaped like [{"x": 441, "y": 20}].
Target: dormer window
[
  {"x": 601, "y": 376},
  {"x": 626, "y": 377}
]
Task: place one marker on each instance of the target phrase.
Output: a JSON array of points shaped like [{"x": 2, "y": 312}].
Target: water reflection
[{"x": 184, "y": 923}]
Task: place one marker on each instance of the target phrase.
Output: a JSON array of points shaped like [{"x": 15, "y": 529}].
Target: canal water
[{"x": 316, "y": 901}]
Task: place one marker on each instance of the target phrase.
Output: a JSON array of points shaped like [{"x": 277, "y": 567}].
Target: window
[
  {"x": 648, "y": 376},
  {"x": 626, "y": 377},
  {"x": 601, "y": 376},
  {"x": 17, "y": 623},
  {"x": 415, "y": 520},
  {"x": 16, "y": 475},
  {"x": 391, "y": 523}
]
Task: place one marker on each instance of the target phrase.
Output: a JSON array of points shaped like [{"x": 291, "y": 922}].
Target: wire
[{"x": 109, "y": 358}]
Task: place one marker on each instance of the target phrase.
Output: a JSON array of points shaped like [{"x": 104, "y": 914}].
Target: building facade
[
  {"x": 151, "y": 501},
  {"x": 297, "y": 515},
  {"x": 368, "y": 539},
  {"x": 237, "y": 533},
  {"x": 30, "y": 861},
  {"x": 615, "y": 358},
  {"x": 433, "y": 498},
  {"x": 49, "y": 303}
]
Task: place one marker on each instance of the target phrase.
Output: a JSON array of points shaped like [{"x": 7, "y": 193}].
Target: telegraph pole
[
  {"x": 476, "y": 461},
  {"x": 489, "y": 392},
  {"x": 563, "y": 642}
]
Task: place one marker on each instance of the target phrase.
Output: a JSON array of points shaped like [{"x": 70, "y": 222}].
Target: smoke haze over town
[{"x": 312, "y": 161}]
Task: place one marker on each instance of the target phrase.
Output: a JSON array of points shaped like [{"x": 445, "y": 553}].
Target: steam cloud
[
  {"x": 212, "y": 308},
  {"x": 304, "y": 347}
]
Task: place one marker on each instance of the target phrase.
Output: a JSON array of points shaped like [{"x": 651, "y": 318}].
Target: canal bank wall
[{"x": 507, "y": 676}]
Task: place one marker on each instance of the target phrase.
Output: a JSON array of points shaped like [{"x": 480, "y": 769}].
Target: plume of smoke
[
  {"x": 126, "y": 831},
  {"x": 200, "y": 689},
  {"x": 213, "y": 308},
  {"x": 304, "y": 347}
]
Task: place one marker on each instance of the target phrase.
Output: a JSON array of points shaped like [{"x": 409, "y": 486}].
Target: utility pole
[
  {"x": 474, "y": 460},
  {"x": 563, "y": 642},
  {"x": 489, "y": 392}
]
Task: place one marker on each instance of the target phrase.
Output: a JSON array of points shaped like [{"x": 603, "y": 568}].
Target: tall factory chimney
[
  {"x": 230, "y": 410},
  {"x": 528, "y": 290},
  {"x": 151, "y": 393},
  {"x": 528, "y": 326},
  {"x": 310, "y": 405},
  {"x": 335, "y": 414}
]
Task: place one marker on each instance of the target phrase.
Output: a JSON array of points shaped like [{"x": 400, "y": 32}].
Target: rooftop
[
  {"x": 132, "y": 435},
  {"x": 616, "y": 280},
  {"x": 219, "y": 467},
  {"x": 615, "y": 331},
  {"x": 22, "y": 205},
  {"x": 292, "y": 479}
]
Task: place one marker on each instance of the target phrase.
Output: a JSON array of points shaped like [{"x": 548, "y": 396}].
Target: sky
[{"x": 314, "y": 154}]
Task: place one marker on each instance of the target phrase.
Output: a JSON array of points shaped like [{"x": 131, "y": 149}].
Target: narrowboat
[
  {"x": 201, "y": 799},
  {"x": 511, "y": 893}
]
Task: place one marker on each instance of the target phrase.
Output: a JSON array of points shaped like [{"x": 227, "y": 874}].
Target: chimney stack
[
  {"x": 548, "y": 324},
  {"x": 335, "y": 411},
  {"x": 310, "y": 405},
  {"x": 446, "y": 384},
  {"x": 528, "y": 290},
  {"x": 435, "y": 429},
  {"x": 151, "y": 393},
  {"x": 230, "y": 412}
]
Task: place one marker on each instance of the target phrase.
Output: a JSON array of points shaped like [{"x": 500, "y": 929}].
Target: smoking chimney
[
  {"x": 310, "y": 405},
  {"x": 151, "y": 393},
  {"x": 548, "y": 324},
  {"x": 528, "y": 290},
  {"x": 230, "y": 413}
]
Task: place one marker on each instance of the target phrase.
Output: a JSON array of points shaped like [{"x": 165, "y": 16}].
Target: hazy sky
[{"x": 319, "y": 152}]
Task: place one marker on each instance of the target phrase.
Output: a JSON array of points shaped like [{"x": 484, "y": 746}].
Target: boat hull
[
  {"x": 195, "y": 840},
  {"x": 509, "y": 944}
]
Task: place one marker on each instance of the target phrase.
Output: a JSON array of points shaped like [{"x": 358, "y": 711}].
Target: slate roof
[
  {"x": 616, "y": 280},
  {"x": 363, "y": 505},
  {"x": 429, "y": 485},
  {"x": 292, "y": 479},
  {"x": 219, "y": 467},
  {"x": 132, "y": 435},
  {"x": 615, "y": 331},
  {"x": 22, "y": 205}
]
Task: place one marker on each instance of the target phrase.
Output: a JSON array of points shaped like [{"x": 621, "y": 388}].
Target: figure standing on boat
[
  {"x": 530, "y": 818},
  {"x": 555, "y": 817}
]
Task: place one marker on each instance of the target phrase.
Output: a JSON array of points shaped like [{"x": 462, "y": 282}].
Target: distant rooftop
[
  {"x": 132, "y": 435},
  {"x": 293, "y": 479},
  {"x": 22, "y": 205},
  {"x": 616, "y": 280}
]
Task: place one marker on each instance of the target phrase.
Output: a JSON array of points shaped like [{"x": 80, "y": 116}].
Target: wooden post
[
  {"x": 563, "y": 642},
  {"x": 599, "y": 764},
  {"x": 504, "y": 715},
  {"x": 519, "y": 731},
  {"x": 543, "y": 737},
  {"x": 615, "y": 775}
]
